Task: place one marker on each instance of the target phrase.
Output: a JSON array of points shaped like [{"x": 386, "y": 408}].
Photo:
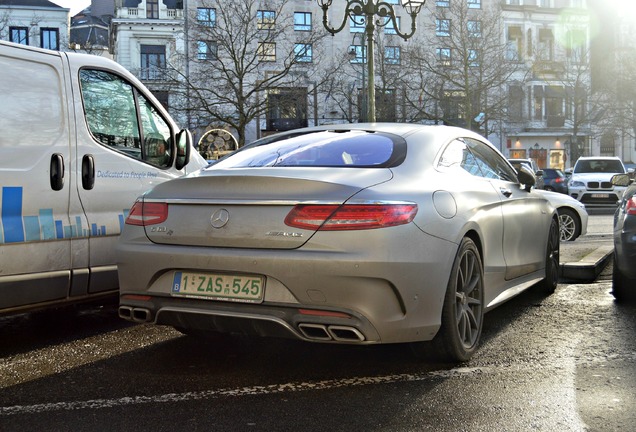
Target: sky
[{"x": 74, "y": 5}]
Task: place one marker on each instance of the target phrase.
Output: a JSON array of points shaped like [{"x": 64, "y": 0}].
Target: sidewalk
[
  {"x": 584, "y": 261},
  {"x": 586, "y": 257}
]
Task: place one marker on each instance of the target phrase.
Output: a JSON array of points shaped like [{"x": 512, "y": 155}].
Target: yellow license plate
[{"x": 214, "y": 286}]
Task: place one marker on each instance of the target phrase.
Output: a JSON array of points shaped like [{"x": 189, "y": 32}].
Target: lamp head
[{"x": 412, "y": 6}]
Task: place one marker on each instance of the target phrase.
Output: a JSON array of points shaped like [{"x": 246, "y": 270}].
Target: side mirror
[
  {"x": 184, "y": 144},
  {"x": 526, "y": 176},
  {"x": 539, "y": 173},
  {"x": 621, "y": 180}
]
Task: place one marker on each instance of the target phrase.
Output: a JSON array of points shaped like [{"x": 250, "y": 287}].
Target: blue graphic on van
[{"x": 17, "y": 228}]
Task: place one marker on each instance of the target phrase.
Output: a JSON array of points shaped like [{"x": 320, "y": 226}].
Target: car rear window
[{"x": 349, "y": 148}]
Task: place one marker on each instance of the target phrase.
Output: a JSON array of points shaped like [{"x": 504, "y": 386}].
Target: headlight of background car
[{"x": 576, "y": 183}]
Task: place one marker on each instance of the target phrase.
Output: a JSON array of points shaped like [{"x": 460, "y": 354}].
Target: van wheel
[{"x": 463, "y": 310}]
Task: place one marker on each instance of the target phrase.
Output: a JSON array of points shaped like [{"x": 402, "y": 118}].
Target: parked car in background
[
  {"x": 572, "y": 214},
  {"x": 591, "y": 181},
  {"x": 353, "y": 233},
  {"x": 554, "y": 180},
  {"x": 532, "y": 164},
  {"x": 624, "y": 272}
]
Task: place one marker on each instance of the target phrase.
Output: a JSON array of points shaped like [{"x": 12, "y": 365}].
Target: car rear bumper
[{"x": 376, "y": 294}]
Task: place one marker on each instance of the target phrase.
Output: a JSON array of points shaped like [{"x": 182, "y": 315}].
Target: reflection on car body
[{"x": 364, "y": 234}]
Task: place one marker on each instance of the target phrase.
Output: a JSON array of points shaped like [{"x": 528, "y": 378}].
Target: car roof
[{"x": 598, "y": 158}]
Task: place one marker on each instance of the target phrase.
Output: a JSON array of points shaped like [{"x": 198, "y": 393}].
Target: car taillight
[
  {"x": 147, "y": 213},
  {"x": 559, "y": 180},
  {"x": 630, "y": 206},
  {"x": 350, "y": 216}
]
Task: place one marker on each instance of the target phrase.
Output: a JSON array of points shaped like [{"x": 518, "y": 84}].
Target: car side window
[
  {"x": 114, "y": 109},
  {"x": 491, "y": 163},
  {"x": 458, "y": 157}
]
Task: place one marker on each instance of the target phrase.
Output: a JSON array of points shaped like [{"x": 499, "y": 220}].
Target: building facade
[
  {"x": 290, "y": 72},
  {"x": 38, "y": 23}
]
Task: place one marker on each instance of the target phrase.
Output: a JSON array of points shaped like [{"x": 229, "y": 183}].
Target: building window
[
  {"x": 19, "y": 35},
  {"x": 392, "y": 55},
  {"x": 302, "y": 21},
  {"x": 546, "y": 44},
  {"x": 442, "y": 27},
  {"x": 515, "y": 103},
  {"x": 286, "y": 108},
  {"x": 389, "y": 27},
  {"x": 207, "y": 50},
  {"x": 514, "y": 2},
  {"x": 515, "y": 44},
  {"x": 575, "y": 49},
  {"x": 473, "y": 58},
  {"x": 357, "y": 24},
  {"x": 474, "y": 4},
  {"x": 267, "y": 51},
  {"x": 544, "y": 3},
  {"x": 474, "y": 29},
  {"x": 50, "y": 38},
  {"x": 358, "y": 54},
  {"x": 152, "y": 9},
  {"x": 442, "y": 3},
  {"x": 265, "y": 19},
  {"x": 444, "y": 56},
  {"x": 206, "y": 17},
  {"x": 153, "y": 62},
  {"x": 303, "y": 53}
]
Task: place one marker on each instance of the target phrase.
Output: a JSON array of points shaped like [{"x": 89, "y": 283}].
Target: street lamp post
[
  {"x": 363, "y": 12},
  {"x": 353, "y": 52}
]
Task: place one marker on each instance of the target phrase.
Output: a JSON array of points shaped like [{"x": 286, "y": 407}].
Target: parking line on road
[{"x": 237, "y": 392}]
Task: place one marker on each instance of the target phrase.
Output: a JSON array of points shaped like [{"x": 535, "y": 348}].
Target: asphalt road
[{"x": 560, "y": 363}]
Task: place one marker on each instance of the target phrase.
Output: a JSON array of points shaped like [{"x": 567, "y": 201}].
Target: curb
[{"x": 589, "y": 267}]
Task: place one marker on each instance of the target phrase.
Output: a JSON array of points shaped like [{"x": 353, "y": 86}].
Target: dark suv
[{"x": 555, "y": 180}]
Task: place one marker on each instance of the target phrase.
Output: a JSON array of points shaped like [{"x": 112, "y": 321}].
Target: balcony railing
[
  {"x": 136, "y": 13},
  {"x": 152, "y": 74}
]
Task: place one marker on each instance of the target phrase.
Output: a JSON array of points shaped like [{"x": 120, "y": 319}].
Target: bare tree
[
  {"x": 461, "y": 67},
  {"x": 618, "y": 112},
  {"x": 243, "y": 55}
]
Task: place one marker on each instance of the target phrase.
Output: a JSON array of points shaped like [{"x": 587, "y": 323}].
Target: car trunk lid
[{"x": 246, "y": 208}]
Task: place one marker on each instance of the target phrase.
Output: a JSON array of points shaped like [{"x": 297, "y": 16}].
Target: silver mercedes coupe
[{"x": 353, "y": 233}]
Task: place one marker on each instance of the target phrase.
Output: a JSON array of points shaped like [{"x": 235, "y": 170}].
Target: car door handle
[
  {"x": 57, "y": 171},
  {"x": 88, "y": 172},
  {"x": 506, "y": 192}
]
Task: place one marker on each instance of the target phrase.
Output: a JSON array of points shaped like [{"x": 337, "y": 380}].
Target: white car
[
  {"x": 572, "y": 214},
  {"x": 591, "y": 181}
]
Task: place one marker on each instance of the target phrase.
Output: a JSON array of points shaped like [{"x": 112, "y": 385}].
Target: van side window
[{"x": 114, "y": 109}]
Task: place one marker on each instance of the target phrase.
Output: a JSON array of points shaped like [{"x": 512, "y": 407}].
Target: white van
[{"x": 80, "y": 139}]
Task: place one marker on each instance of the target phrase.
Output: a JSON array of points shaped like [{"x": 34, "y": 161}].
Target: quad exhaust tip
[{"x": 321, "y": 332}]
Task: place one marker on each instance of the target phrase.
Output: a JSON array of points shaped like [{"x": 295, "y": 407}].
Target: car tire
[
  {"x": 552, "y": 262},
  {"x": 463, "y": 309},
  {"x": 621, "y": 285},
  {"x": 569, "y": 224}
]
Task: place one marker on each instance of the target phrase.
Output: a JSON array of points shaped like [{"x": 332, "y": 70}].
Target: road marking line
[{"x": 235, "y": 392}]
